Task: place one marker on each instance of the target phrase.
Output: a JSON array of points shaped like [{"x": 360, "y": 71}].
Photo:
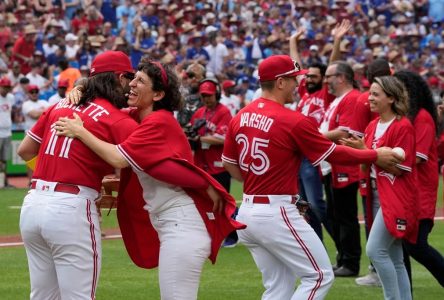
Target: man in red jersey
[
  {"x": 59, "y": 221},
  {"x": 342, "y": 207},
  {"x": 264, "y": 146}
]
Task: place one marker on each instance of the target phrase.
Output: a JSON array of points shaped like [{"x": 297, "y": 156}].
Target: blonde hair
[{"x": 393, "y": 87}]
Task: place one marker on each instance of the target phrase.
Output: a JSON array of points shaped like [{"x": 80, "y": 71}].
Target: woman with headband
[{"x": 189, "y": 211}]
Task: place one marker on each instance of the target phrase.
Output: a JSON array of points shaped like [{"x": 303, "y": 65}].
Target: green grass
[{"x": 234, "y": 276}]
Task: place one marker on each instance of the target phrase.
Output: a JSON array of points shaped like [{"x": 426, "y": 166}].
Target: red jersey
[
  {"x": 313, "y": 105},
  {"x": 68, "y": 160},
  {"x": 159, "y": 137},
  {"x": 217, "y": 120},
  {"x": 398, "y": 194},
  {"x": 340, "y": 116},
  {"x": 428, "y": 176},
  {"x": 362, "y": 116},
  {"x": 267, "y": 141}
]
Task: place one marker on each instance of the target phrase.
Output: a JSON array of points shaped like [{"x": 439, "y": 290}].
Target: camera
[{"x": 192, "y": 129}]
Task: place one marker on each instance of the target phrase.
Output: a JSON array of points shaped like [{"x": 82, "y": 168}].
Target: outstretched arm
[
  {"x": 294, "y": 52},
  {"x": 74, "y": 128},
  {"x": 338, "y": 33}
]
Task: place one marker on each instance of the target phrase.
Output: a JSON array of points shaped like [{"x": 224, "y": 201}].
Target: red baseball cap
[
  {"x": 207, "y": 88},
  {"x": 227, "y": 84},
  {"x": 32, "y": 87},
  {"x": 5, "y": 82},
  {"x": 277, "y": 66},
  {"x": 63, "y": 83},
  {"x": 111, "y": 61}
]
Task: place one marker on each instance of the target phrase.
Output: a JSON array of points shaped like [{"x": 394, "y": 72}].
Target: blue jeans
[
  {"x": 385, "y": 252},
  {"x": 310, "y": 188}
]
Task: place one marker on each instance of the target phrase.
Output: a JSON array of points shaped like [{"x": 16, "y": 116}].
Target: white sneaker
[{"x": 372, "y": 279}]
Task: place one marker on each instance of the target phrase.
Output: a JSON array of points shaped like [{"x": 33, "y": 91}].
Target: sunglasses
[{"x": 34, "y": 92}]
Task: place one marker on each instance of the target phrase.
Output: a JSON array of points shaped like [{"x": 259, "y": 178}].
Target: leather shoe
[{"x": 345, "y": 272}]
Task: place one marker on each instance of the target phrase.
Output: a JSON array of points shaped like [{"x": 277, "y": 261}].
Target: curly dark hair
[
  {"x": 173, "y": 99},
  {"x": 419, "y": 94},
  {"x": 104, "y": 85}
]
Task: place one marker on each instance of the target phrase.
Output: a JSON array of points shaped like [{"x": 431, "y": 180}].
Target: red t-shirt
[
  {"x": 341, "y": 117},
  {"x": 217, "y": 121},
  {"x": 68, "y": 160},
  {"x": 398, "y": 194},
  {"x": 25, "y": 48},
  {"x": 267, "y": 142},
  {"x": 428, "y": 176},
  {"x": 313, "y": 105}
]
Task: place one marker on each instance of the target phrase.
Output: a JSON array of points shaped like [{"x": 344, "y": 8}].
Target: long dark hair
[
  {"x": 169, "y": 84},
  {"x": 419, "y": 94},
  {"x": 104, "y": 85}
]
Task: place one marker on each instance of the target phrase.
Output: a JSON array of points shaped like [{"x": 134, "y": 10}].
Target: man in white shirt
[
  {"x": 6, "y": 102},
  {"x": 33, "y": 108},
  {"x": 71, "y": 46},
  {"x": 36, "y": 78},
  {"x": 218, "y": 53}
]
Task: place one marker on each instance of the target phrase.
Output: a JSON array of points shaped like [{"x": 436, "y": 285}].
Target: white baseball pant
[
  {"x": 184, "y": 246},
  {"x": 62, "y": 238},
  {"x": 285, "y": 248}
]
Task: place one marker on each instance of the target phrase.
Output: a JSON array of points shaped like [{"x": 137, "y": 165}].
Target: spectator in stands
[
  {"x": 229, "y": 98},
  {"x": 68, "y": 73},
  {"x": 33, "y": 108},
  {"x": 193, "y": 75},
  {"x": 62, "y": 86},
  {"x": 71, "y": 46},
  {"x": 14, "y": 73},
  {"x": 35, "y": 77},
  {"x": 24, "y": 48}
]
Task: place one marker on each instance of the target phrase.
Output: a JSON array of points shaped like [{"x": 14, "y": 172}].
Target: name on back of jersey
[
  {"x": 91, "y": 109},
  {"x": 255, "y": 120}
]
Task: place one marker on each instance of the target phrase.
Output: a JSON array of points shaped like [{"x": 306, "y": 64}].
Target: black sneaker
[{"x": 345, "y": 272}]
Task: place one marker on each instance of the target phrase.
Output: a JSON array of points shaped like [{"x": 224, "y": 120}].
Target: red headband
[{"x": 162, "y": 72}]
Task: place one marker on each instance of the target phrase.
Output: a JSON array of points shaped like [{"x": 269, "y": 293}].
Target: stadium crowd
[{"x": 38, "y": 38}]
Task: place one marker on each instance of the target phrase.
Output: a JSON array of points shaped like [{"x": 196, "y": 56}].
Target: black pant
[
  {"x": 224, "y": 179},
  {"x": 425, "y": 254},
  {"x": 343, "y": 211}
]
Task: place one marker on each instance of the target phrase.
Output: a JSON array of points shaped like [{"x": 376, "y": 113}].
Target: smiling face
[
  {"x": 379, "y": 101},
  {"x": 141, "y": 93}
]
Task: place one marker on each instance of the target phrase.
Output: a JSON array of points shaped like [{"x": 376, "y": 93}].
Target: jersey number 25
[{"x": 253, "y": 153}]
